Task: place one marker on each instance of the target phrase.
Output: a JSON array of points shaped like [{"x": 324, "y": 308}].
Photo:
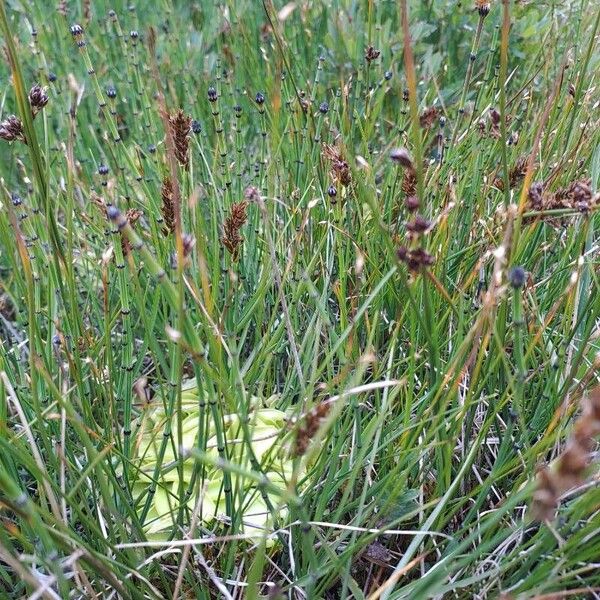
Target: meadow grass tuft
[{"x": 299, "y": 299}]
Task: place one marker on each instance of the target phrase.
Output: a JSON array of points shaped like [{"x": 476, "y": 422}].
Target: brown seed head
[
  {"x": 252, "y": 194},
  {"x": 535, "y": 195},
  {"x": 409, "y": 183},
  {"x": 483, "y": 8},
  {"x": 180, "y": 125},
  {"x": 37, "y": 98},
  {"x": 11, "y": 129},
  {"x": 340, "y": 170},
  {"x": 232, "y": 240},
  {"x": 132, "y": 216},
  {"x": 168, "y": 206},
  {"x": 545, "y": 497},
  {"x": 402, "y": 157},
  {"x": 371, "y": 54},
  {"x": 428, "y": 117},
  {"x": 412, "y": 203},
  {"x": 310, "y": 424},
  {"x": 416, "y": 260}
]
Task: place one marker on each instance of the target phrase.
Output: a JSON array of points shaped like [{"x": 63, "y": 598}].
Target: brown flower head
[
  {"x": 11, "y": 129},
  {"x": 402, "y": 157},
  {"x": 371, "y": 54},
  {"x": 416, "y": 260},
  {"x": 180, "y": 125},
  {"x": 535, "y": 195},
  {"x": 428, "y": 117},
  {"x": 232, "y": 240},
  {"x": 418, "y": 225},
  {"x": 37, "y": 98},
  {"x": 309, "y": 425},
  {"x": 483, "y": 8},
  {"x": 168, "y": 206},
  {"x": 340, "y": 170},
  {"x": 132, "y": 216}
]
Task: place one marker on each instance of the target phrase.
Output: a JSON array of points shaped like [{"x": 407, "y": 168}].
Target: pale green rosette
[{"x": 266, "y": 429}]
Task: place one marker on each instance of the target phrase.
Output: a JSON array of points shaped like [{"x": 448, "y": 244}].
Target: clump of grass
[{"x": 334, "y": 336}]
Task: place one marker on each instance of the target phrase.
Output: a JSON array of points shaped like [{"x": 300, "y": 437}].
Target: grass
[{"x": 337, "y": 318}]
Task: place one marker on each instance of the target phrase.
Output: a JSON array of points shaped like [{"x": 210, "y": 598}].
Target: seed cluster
[
  {"x": 180, "y": 126},
  {"x": 11, "y": 128},
  {"x": 309, "y": 425},
  {"x": 414, "y": 255},
  {"x": 569, "y": 469},
  {"x": 340, "y": 170},
  {"x": 232, "y": 240},
  {"x": 167, "y": 207},
  {"x": 576, "y": 196}
]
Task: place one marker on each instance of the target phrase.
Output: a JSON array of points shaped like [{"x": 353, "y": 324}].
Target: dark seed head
[
  {"x": 418, "y": 225},
  {"x": 112, "y": 14},
  {"x": 259, "y": 98},
  {"x": 51, "y": 77},
  {"x": 516, "y": 277},
  {"x": 76, "y": 30},
  {"x": 103, "y": 169},
  {"x": 483, "y": 8},
  {"x": 133, "y": 34},
  {"x": 112, "y": 212},
  {"x": 11, "y": 129},
  {"x": 212, "y": 94},
  {"x": 324, "y": 108},
  {"x": 16, "y": 200},
  {"x": 111, "y": 92},
  {"x": 238, "y": 110},
  {"x": 402, "y": 157},
  {"x": 37, "y": 97},
  {"x": 196, "y": 127},
  {"x": 411, "y": 203},
  {"x": 402, "y": 252},
  {"x": 535, "y": 195},
  {"x": 152, "y": 148},
  {"x": 388, "y": 75},
  {"x": 371, "y": 54},
  {"x": 331, "y": 191}
]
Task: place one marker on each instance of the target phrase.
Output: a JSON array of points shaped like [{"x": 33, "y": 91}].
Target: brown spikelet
[
  {"x": 516, "y": 174},
  {"x": 570, "y": 467},
  {"x": 180, "y": 125},
  {"x": 371, "y": 54},
  {"x": 37, "y": 99},
  {"x": 428, "y": 117},
  {"x": 417, "y": 259},
  {"x": 535, "y": 195},
  {"x": 132, "y": 216},
  {"x": 310, "y": 424},
  {"x": 340, "y": 170},
  {"x": 11, "y": 129},
  {"x": 409, "y": 183},
  {"x": 167, "y": 208},
  {"x": 232, "y": 240},
  {"x": 483, "y": 7},
  {"x": 577, "y": 195}
]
